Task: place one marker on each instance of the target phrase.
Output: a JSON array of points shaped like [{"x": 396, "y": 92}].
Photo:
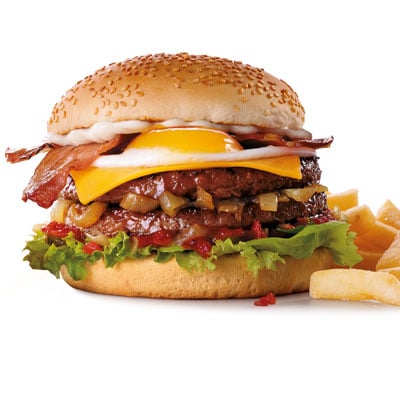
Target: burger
[{"x": 182, "y": 176}]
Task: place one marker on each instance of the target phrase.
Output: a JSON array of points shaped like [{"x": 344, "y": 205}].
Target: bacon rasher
[{"x": 52, "y": 172}]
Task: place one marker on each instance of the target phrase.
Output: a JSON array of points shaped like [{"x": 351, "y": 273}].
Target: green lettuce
[{"x": 258, "y": 253}]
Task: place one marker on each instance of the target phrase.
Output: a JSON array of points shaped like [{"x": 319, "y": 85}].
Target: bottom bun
[{"x": 146, "y": 278}]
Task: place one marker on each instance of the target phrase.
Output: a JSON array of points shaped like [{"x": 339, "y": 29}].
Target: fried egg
[{"x": 176, "y": 146}]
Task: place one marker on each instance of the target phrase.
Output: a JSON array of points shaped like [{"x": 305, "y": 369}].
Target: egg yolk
[{"x": 187, "y": 140}]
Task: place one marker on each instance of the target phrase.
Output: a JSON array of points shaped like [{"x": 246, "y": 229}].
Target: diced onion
[
  {"x": 203, "y": 199},
  {"x": 171, "y": 204},
  {"x": 191, "y": 231},
  {"x": 282, "y": 198},
  {"x": 38, "y": 227},
  {"x": 268, "y": 201},
  {"x": 60, "y": 209},
  {"x": 228, "y": 206},
  {"x": 85, "y": 216},
  {"x": 98, "y": 238},
  {"x": 138, "y": 203},
  {"x": 303, "y": 194},
  {"x": 231, "y": 206}
]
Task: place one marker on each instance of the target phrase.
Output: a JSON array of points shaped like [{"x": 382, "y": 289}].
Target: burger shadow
[{"x": 297, "y": 302}]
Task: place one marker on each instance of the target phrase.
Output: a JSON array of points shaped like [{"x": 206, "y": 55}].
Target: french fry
[
  {"x": 377, "y": 276},
  {"x": 381, "y": 235},
  {"x": 370, "y": 259},
  {"x": 361, "y": 218},
  {"x": 355, "y": 284},
  {"x": 389, "y": 214},
  {"x": 391, "y": 257},
  {"x": 394, "y": 271},
  {"x": 371, "y": 234},
  {"x": 362, "y": 244},
  {"x": 343, "y": 200}
]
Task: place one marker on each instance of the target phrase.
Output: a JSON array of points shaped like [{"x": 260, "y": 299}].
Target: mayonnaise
[{"x": 101, "y": 132}]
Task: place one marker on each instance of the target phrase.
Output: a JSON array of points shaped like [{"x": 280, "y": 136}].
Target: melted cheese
[{"x": 94, "y": 182}]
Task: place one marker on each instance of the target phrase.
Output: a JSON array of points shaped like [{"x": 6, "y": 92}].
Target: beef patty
[
  {"x": 221, "y": 183},
  {"x": 116, "y": 219},
  {"x": 239, "y": 184}
]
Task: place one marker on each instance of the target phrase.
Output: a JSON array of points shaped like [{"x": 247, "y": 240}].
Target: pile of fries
[{"x": 377, "y": 276}]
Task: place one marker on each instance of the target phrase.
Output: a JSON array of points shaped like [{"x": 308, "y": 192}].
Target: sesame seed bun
[
  {"x": 146, "y": 278},
  {"x": 180, "y": 86}
]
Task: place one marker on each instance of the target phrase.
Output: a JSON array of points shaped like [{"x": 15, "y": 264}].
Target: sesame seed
[{"x": 267, "y": 112}]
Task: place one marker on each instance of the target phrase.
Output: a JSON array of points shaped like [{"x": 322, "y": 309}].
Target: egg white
[{"x": 158, "y": 156}]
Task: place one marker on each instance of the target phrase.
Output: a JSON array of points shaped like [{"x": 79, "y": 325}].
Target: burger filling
[
  {"x": 195, "y": 215},
  {"x": 209, "y": 199}
]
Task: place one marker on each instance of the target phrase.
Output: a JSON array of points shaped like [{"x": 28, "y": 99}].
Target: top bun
[{"x": 179, "y": 86}]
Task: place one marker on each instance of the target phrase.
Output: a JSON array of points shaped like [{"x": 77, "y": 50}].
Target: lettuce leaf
[
  {"x": 258, "y": 253},
  {"x": 333, "y": 235}
]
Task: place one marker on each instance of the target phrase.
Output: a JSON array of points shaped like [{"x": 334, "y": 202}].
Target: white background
[{"x": 342, "y": 59}]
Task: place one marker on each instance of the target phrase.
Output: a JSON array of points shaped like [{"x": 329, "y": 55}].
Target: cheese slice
[{"x": 93, "y": 182}]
